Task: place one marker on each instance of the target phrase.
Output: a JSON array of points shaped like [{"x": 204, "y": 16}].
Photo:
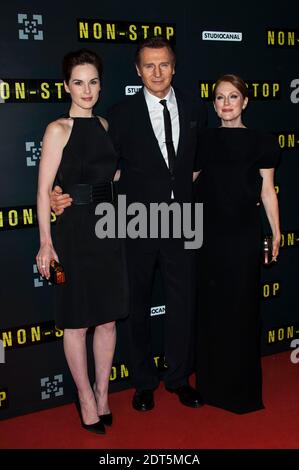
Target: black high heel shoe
[
  {"x": 97, "y": 428},
  {"x": 106, "y": 419}
]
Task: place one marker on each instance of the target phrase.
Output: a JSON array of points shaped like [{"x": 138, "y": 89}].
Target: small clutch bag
[
  {"x": 267, "y": 251},
  {"x": 57, "y": 275}
]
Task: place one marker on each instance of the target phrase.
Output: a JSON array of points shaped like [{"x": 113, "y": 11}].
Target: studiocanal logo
[
  {"x": 132, "y": 89},
  {"x": 157, "y": 310},
  {"x": 221, "y": 36}
]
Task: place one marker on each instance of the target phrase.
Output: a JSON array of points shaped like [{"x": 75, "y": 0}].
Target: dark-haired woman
[
  {"x": 78, "y": 150},
  {"x": 237, "y": 172}
]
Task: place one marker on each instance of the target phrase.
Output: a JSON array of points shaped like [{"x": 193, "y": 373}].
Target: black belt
[{"x": 89, "y": 193}]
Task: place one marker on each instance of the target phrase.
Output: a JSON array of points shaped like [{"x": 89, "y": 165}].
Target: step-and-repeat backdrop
[{"x": 257, "y": 40}]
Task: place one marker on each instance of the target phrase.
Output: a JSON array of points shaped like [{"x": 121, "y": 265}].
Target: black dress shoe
[
  {"x": 106, "y": 419},
  {"x": 143, "y": 400},
  {"x": 97, "y": 428},
  {"x": 188, "y": 396}
]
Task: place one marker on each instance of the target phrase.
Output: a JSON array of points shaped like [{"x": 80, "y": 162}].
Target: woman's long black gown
[{"x": 229, "y": 365}]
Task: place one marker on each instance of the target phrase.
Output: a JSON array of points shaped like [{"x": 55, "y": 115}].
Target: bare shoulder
[
  {"x": 59, "y": 129},
  {"x": 60, "y": 126},
  {"x": 104, "y": 122}
]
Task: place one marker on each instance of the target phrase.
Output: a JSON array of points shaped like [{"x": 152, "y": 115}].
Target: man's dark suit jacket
[{"x": 145, "y": 176}]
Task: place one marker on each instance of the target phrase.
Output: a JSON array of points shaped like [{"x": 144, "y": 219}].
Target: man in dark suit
[
  {"x": 137, "y": 130},
  {"x": 156, "y": 168}
]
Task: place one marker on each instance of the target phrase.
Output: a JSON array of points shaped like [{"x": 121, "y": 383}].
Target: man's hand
[
  {"x": 117, "y": 175},
  {"x": 59, "y": 201},
  {"x": 195, "y": 175}
]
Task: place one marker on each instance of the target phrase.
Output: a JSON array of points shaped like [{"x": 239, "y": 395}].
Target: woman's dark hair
[
  {"x": 235, "y": 80},
  {"x": 156, "y": 42},
  {"x": 80, "y": 57}
]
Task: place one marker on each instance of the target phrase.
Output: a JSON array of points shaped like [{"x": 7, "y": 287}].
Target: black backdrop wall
[{"x": 257, "y": 40}]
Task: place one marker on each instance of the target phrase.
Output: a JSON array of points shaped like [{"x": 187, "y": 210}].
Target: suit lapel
[{"x": 145, "y": 127}]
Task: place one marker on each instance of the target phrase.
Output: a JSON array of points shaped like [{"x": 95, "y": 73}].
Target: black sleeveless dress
[
  {"x": 96, "y": 289},
  {"x": 229, "y": 367}
]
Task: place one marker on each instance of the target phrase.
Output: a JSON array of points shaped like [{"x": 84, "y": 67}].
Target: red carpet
[{"x": 171, "y": 425}]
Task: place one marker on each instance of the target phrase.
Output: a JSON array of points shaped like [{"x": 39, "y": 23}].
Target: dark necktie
[{"x": 168, "y": 136}]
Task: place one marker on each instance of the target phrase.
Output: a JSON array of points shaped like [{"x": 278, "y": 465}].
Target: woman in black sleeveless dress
[
  {"x": 237, "y": 171},
  {"x": 78, "y": 149}
]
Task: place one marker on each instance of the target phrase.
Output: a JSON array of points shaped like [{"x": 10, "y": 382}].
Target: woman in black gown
[
  {"x": 237, "y": 171},
  {"x": 78, "y": 149}
]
